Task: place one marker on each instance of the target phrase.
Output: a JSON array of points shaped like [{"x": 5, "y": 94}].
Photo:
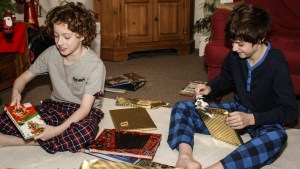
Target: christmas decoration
[
  {"x": 30, "y": 8},
  {"x": 7, "y": 18},
  {"x": 30, "y": 14},
  {"x": 8, "y": 23}
]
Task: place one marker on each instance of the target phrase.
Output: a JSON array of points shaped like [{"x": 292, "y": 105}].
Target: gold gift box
[
  {"x": 134, "y": 119},
  {"x": 214, "y": 120}
]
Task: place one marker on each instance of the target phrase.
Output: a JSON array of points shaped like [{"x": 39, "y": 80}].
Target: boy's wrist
[
  {"x": 15, "y": 92},
  {"x": 252, "y": 120}
]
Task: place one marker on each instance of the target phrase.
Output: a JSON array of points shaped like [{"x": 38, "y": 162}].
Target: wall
[{"x": 199, "y": 13}]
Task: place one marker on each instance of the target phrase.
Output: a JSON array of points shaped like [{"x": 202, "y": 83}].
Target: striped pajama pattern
[
  {"x": 78, "y": 136},
  {"x": 265, "y": 146}
]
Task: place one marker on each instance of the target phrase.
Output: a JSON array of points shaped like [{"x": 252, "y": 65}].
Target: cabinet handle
[
  {"x": 156, "y": 19},
  {"x": 117, "y": 36}
]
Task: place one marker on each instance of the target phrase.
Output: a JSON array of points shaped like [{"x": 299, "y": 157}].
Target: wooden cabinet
[
  {"x": 14, "y": 56},
  {"x": 8, "y": 73},
  {"x": 11, "y": 66},
  {"x": 139, "y": 25}
]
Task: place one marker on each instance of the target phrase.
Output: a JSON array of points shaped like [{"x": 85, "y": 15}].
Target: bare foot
[
  {"x": 187, "y": 162},
  {"x": 8, "y": 140}
]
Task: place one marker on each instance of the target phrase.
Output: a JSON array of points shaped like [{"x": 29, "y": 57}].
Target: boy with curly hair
[{"x": 77, "y": 76}]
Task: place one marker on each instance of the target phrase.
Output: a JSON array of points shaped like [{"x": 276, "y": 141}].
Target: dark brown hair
[
  {"x": 77, "y": 17},
  {"x": 248, "y": 23}
]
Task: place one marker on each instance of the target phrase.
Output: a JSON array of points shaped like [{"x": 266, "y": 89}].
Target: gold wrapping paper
[
  {"x": 217, "y": 127},
  {"x": 153, "y": 164},
  {"x": 134, "y": 119},
  {"x": 102, "y": 164},
  {"x": 147, "y": 104}
]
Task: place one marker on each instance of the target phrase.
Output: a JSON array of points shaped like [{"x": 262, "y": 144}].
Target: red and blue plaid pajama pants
[
  {"x": 78, "y": 136},
  {"x": 266, "y": 144}
]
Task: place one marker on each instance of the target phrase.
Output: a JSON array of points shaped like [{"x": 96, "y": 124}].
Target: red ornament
[
  {"x": 30, "y": 14},
  {"x": 8, "y": 23}
]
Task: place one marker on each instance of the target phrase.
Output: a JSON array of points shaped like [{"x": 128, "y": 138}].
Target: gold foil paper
[
  {"x": 134, "y": 119},
  {"x": 215, "y": 122},
  {"x": 102, "y": 164},
  {"x": 147, "y": 104},
  {"x": 154, "y": 164}
]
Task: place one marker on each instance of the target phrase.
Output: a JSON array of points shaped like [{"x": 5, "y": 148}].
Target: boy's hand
[
  {"x": 202, "y": 89},
  {"x": 48, "y": 132},
  {"x": 239, "y": 120},
  {"x": 16, "y": 99}
]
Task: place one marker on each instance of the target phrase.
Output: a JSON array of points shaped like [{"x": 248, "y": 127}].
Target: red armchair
[{"x": 285, "y": 35}]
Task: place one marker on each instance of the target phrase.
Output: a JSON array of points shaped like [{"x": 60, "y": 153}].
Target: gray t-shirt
[{"x": 71, "y": 82}]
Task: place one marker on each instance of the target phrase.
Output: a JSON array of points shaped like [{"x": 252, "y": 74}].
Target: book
[
  {"x": 123, "y": 79},
  {"x": 214, "y": 119},
  {"x": 147, "y": 104},
  {"x": 116, "y": 81},
  {"x": 114, "y": 90},
  {"x": 112, "y": 157},
  {"x": 26, "y": 119},
  {"x": 126, "y": 143},
  {"x": 130, "y": 86},
  {"x": 134, "y": 119},
  {"x": 189, "y": 89},
  {"x": 96, "y": 163},
  {"x": 134, "y": 77}
]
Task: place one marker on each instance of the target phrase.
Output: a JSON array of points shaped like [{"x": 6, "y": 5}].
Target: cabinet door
[
  {"x": 137, "y": 21},
  {"x": 168, "y": 17},
  {"x": 9, "y": 67}
]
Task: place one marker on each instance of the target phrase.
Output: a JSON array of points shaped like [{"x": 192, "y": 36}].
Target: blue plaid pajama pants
[{"x": 267, "y": 141}]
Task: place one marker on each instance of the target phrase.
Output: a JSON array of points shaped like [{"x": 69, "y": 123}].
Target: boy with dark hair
[
  {"x": 77, "y": 75},
  {"x": 264, "y": 97}
]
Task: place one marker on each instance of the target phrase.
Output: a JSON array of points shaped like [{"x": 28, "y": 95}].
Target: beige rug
[{"x": 207, "y": 150}]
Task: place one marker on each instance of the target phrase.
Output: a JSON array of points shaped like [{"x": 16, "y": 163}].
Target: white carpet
[{"x": 207, "y": 150}]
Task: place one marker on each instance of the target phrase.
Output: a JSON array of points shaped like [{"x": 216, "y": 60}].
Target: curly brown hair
[{"x": 79, "y": 20}]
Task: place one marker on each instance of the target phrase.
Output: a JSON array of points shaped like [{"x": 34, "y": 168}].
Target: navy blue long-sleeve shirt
[{"x": 265, "y": 88}]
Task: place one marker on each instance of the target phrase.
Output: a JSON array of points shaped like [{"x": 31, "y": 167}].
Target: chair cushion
[
  {"x": 291, "y": 49},
  {"x": 215, "y": 53}
]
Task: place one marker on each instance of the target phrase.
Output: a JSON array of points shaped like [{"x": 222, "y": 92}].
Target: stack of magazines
[{"x": 126, "y": 81}]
